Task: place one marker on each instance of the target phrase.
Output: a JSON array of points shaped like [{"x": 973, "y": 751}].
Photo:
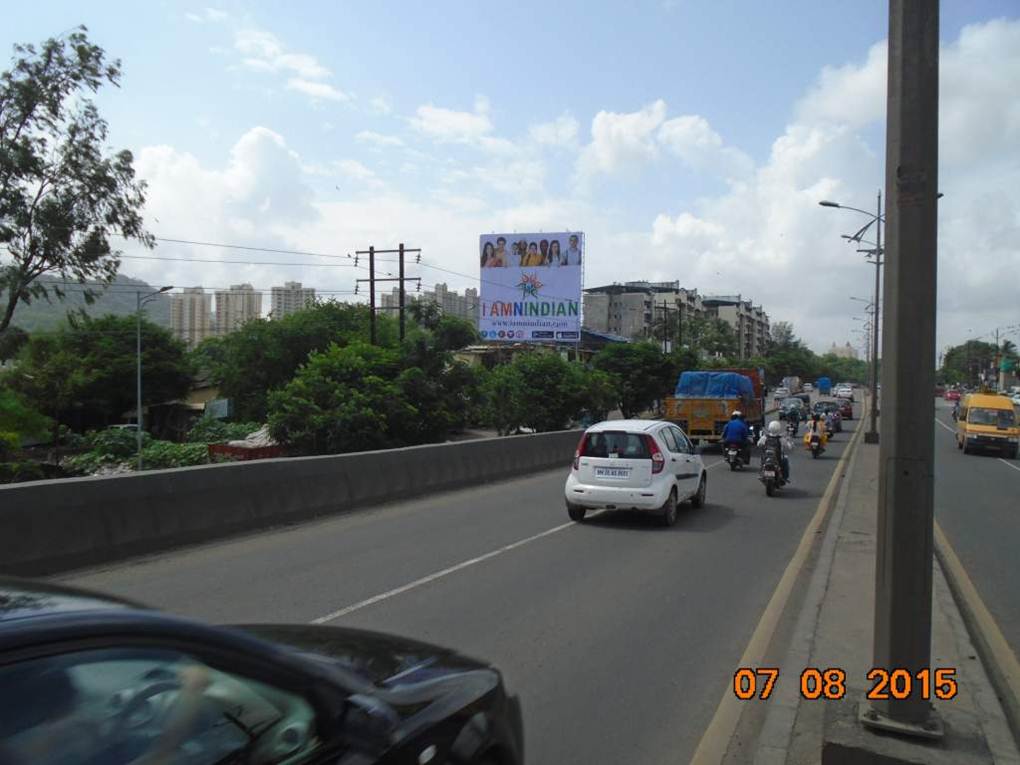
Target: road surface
[
  {"x": 977, "y": 504},
  {"x": 620, "y": 636}
]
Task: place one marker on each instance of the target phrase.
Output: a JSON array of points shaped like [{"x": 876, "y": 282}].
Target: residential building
[
  {"x": 289, "y": 298},
  {"x": 634, "y": 309},
  {"x": 240, "y": 304},
  {"x": 450, "y": 302},
  {"x": 846, "y": 351},
  {"x": 191, "y": 317},
  {"x": 750, "y": 323}
]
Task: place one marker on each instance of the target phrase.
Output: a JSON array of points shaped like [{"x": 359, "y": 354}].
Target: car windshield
[
  {"x": 999, "y": 418},
  {"x": 616, "y": 443}
]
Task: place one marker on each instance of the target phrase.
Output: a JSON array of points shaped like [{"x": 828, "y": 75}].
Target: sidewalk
[{"x": 834, "y": 629}]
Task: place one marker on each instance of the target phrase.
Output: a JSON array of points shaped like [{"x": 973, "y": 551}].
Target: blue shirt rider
[{"x": 736, "y": 432}]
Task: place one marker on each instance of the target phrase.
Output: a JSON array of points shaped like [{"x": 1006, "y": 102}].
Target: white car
[
  {"x": 1015, "y": 398},
  {"x": 843, "y": 391},
  {"x": 647, "y": 465},
  {"x": 780, "y": 392}
]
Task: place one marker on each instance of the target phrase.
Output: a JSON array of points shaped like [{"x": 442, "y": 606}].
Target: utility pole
[
  {"x": 372, "y": 280},
  {"x": 903, "y": 570},
  {"x": 872, "y": 437}
]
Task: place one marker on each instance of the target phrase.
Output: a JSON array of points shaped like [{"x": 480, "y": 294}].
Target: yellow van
[{"x": 987, "y": 422}]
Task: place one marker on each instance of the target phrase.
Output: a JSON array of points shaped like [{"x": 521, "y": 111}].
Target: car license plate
[{"x": 609, "y": 472}]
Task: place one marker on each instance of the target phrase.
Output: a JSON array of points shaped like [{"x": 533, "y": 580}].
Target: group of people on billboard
[{"x": 527, "y": 254}]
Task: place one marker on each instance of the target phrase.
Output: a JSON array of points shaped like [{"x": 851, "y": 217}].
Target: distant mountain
[{"x": 119, "y": 299}]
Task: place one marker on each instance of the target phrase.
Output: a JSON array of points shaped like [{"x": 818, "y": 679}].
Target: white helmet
[
  {"x": 775, "y": 428},
  {"x": 736, "y": 413}
]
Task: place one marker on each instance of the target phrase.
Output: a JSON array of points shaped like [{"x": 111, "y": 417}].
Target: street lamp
[
  {"x": 141, "y": 300},
  {"x": 871, "y": 437}
]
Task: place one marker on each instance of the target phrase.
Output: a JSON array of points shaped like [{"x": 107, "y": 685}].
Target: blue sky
[{"x": 689, "y": 135}]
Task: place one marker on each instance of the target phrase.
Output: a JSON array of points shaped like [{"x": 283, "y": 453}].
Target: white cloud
[
  {"x": 621, "y": 140},
  {"x": 380, "y": 105},
  {"x": 451, "y": 126},
  {"x": 852, "y": 95},
  {"x": 355, "y": 170},
  {"x": 377, "y": 140},
  {"x": 693, "y": 140},
  {"x": 561, "y": 132},
  {"x": 263, "y": 52},
  {"x": 317, "y": 90},
  {"x": 211, "y": 15}
]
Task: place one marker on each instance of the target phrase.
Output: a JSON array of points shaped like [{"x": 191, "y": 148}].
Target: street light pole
[{"x": 139, "y": 302}]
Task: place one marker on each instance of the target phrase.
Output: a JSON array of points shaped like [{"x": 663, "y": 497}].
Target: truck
[
  {"x": 824, "y": 385},
  {"x": 704, "y": 400},
  {"x": 792, "y": 384}
]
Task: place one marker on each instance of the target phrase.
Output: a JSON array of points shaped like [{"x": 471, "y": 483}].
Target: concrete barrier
[{"x": 52, "y": 526}]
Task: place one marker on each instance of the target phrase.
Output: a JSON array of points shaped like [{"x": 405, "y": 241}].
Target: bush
[
  {"x": 166, "y": 454},
  {"x": 14, "y": 472},
  {"x": 211, "y": 431},
  {"x": 87, "y": 463},
  {"x": 118, "y": 443}
]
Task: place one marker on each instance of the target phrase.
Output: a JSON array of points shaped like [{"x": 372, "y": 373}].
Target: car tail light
[
  {"x": 658, "y": 460},
  {"x": 579, "y": 451}
]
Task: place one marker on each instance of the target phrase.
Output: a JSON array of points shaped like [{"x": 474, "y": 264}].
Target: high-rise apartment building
[
  {"x": 750, "y": 323},
  {"x": 191, "y": 319},
  {"x": 450, "y": 302},
  {"x": 240, "y": 304},
  {"x": 289, "y": 298}
]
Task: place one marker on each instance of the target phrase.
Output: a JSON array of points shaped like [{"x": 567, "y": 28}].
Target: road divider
[{"x": 52, "y": 526}]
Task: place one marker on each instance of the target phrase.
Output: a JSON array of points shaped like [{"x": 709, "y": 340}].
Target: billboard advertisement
[{"x": 531, "y": 287}]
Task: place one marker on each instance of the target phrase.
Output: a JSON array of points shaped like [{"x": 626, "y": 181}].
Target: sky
[{"x": 689, "y": 140}]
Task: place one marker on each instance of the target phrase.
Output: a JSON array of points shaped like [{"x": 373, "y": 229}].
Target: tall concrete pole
[
  {"x": 903, "y": 581},
  {"x": 871, "y": 437}
]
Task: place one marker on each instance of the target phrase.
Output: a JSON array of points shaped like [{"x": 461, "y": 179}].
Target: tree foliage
[
  {"x": 264, "y": 355},
  {"x": 62, "y": 193},
  {"x": 85, "y": 374},
  {"x": 965, "y": 363},
  {"x": 544, "y": 392},
  {"x": 12, "y": 340},
  {"x": 712, "y": 336},
  {"x": 641, "y": 374},
  {"x": 18, "y": 420}
]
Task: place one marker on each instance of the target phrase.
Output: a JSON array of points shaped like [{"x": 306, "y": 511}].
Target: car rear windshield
[
  {"x": 999, "y": 418},
  {"x": 626, "y": 445}
]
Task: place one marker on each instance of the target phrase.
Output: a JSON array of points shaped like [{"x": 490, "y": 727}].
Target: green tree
[
  {"x": 85, "y": 374},
  {"x": 343, "y": 399},
  {"x": 262, "y": 355},
  {"x": 18, "y": 420},
  {"x": 544, "y": 392},
  {"x": 640, "y": 372},
  {"x": 12, "y": 340},
  {"x": 965, "y": 363},
  {"x": 712, "y": 336},
  {"x": 62, "y": 194},
  {"x": 452, "y": 333}
]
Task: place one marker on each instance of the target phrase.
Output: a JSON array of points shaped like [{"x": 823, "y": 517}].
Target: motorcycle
[
  {"x": 771, "y": 472},
  {"x": 830, "y": 426},
  {"x": 791, "y": 429},
  {"x": 733, "y": 457},
  {"x": 815, "y": 443}
]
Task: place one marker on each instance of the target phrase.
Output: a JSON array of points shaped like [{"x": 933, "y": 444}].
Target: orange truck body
[{"x": 703, "y": 419}]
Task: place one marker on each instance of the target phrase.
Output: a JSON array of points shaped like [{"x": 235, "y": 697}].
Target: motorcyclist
[
  {"x": 815, "y": 425},
  {"x": 793, "y": 417},
  {"x": 773, "y": 437},
  {"x": 736, "y": 434}
]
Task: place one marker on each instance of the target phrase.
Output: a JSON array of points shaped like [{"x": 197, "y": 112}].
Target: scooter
[
  {"x": 733, "y": 457},
  {"x": 830, "y": 426},
  {"x": 813, "y": 441},
  {"x": 771, "y": 472}
]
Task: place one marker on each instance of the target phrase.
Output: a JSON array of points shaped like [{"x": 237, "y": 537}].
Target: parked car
[
  {"x": 646, "y": 465},
  {"x": 94, "y": 679}
]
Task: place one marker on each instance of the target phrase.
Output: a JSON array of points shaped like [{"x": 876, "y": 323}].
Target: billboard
[{"x": 531, "y": 287}]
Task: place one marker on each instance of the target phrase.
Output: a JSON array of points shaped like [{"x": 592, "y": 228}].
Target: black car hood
[{"x": 386, "y": 661}]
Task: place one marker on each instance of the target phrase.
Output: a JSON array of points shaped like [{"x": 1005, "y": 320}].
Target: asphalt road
[
  {"x": 620, "y": 636},
  {"x": 976, "y": 504}
]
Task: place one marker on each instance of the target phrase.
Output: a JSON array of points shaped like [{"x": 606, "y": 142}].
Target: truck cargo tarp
[{"x": 714, "y": 385}]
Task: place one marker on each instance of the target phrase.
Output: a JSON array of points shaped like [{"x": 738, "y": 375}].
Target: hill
[{"x": 119, "y": 299}]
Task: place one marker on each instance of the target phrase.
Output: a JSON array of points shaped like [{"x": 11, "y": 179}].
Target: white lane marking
[
  {"x": 440, "y": 574},
  {"x": 1008, "y": 464}
]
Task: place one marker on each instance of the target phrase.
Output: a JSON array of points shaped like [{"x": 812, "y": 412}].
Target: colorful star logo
[{"x": 529, "y": 285}]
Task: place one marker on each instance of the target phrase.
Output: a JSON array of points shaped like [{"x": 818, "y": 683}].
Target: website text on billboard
[{"x": 531, "y": 286}]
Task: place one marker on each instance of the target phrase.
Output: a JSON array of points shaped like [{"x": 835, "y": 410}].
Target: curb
[{"x": 999, "y": 661}]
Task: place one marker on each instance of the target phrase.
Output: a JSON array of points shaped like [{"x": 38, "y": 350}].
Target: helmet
[
  {"x": 736, "y": 415},
  {"x": 775, "y": 428}
]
